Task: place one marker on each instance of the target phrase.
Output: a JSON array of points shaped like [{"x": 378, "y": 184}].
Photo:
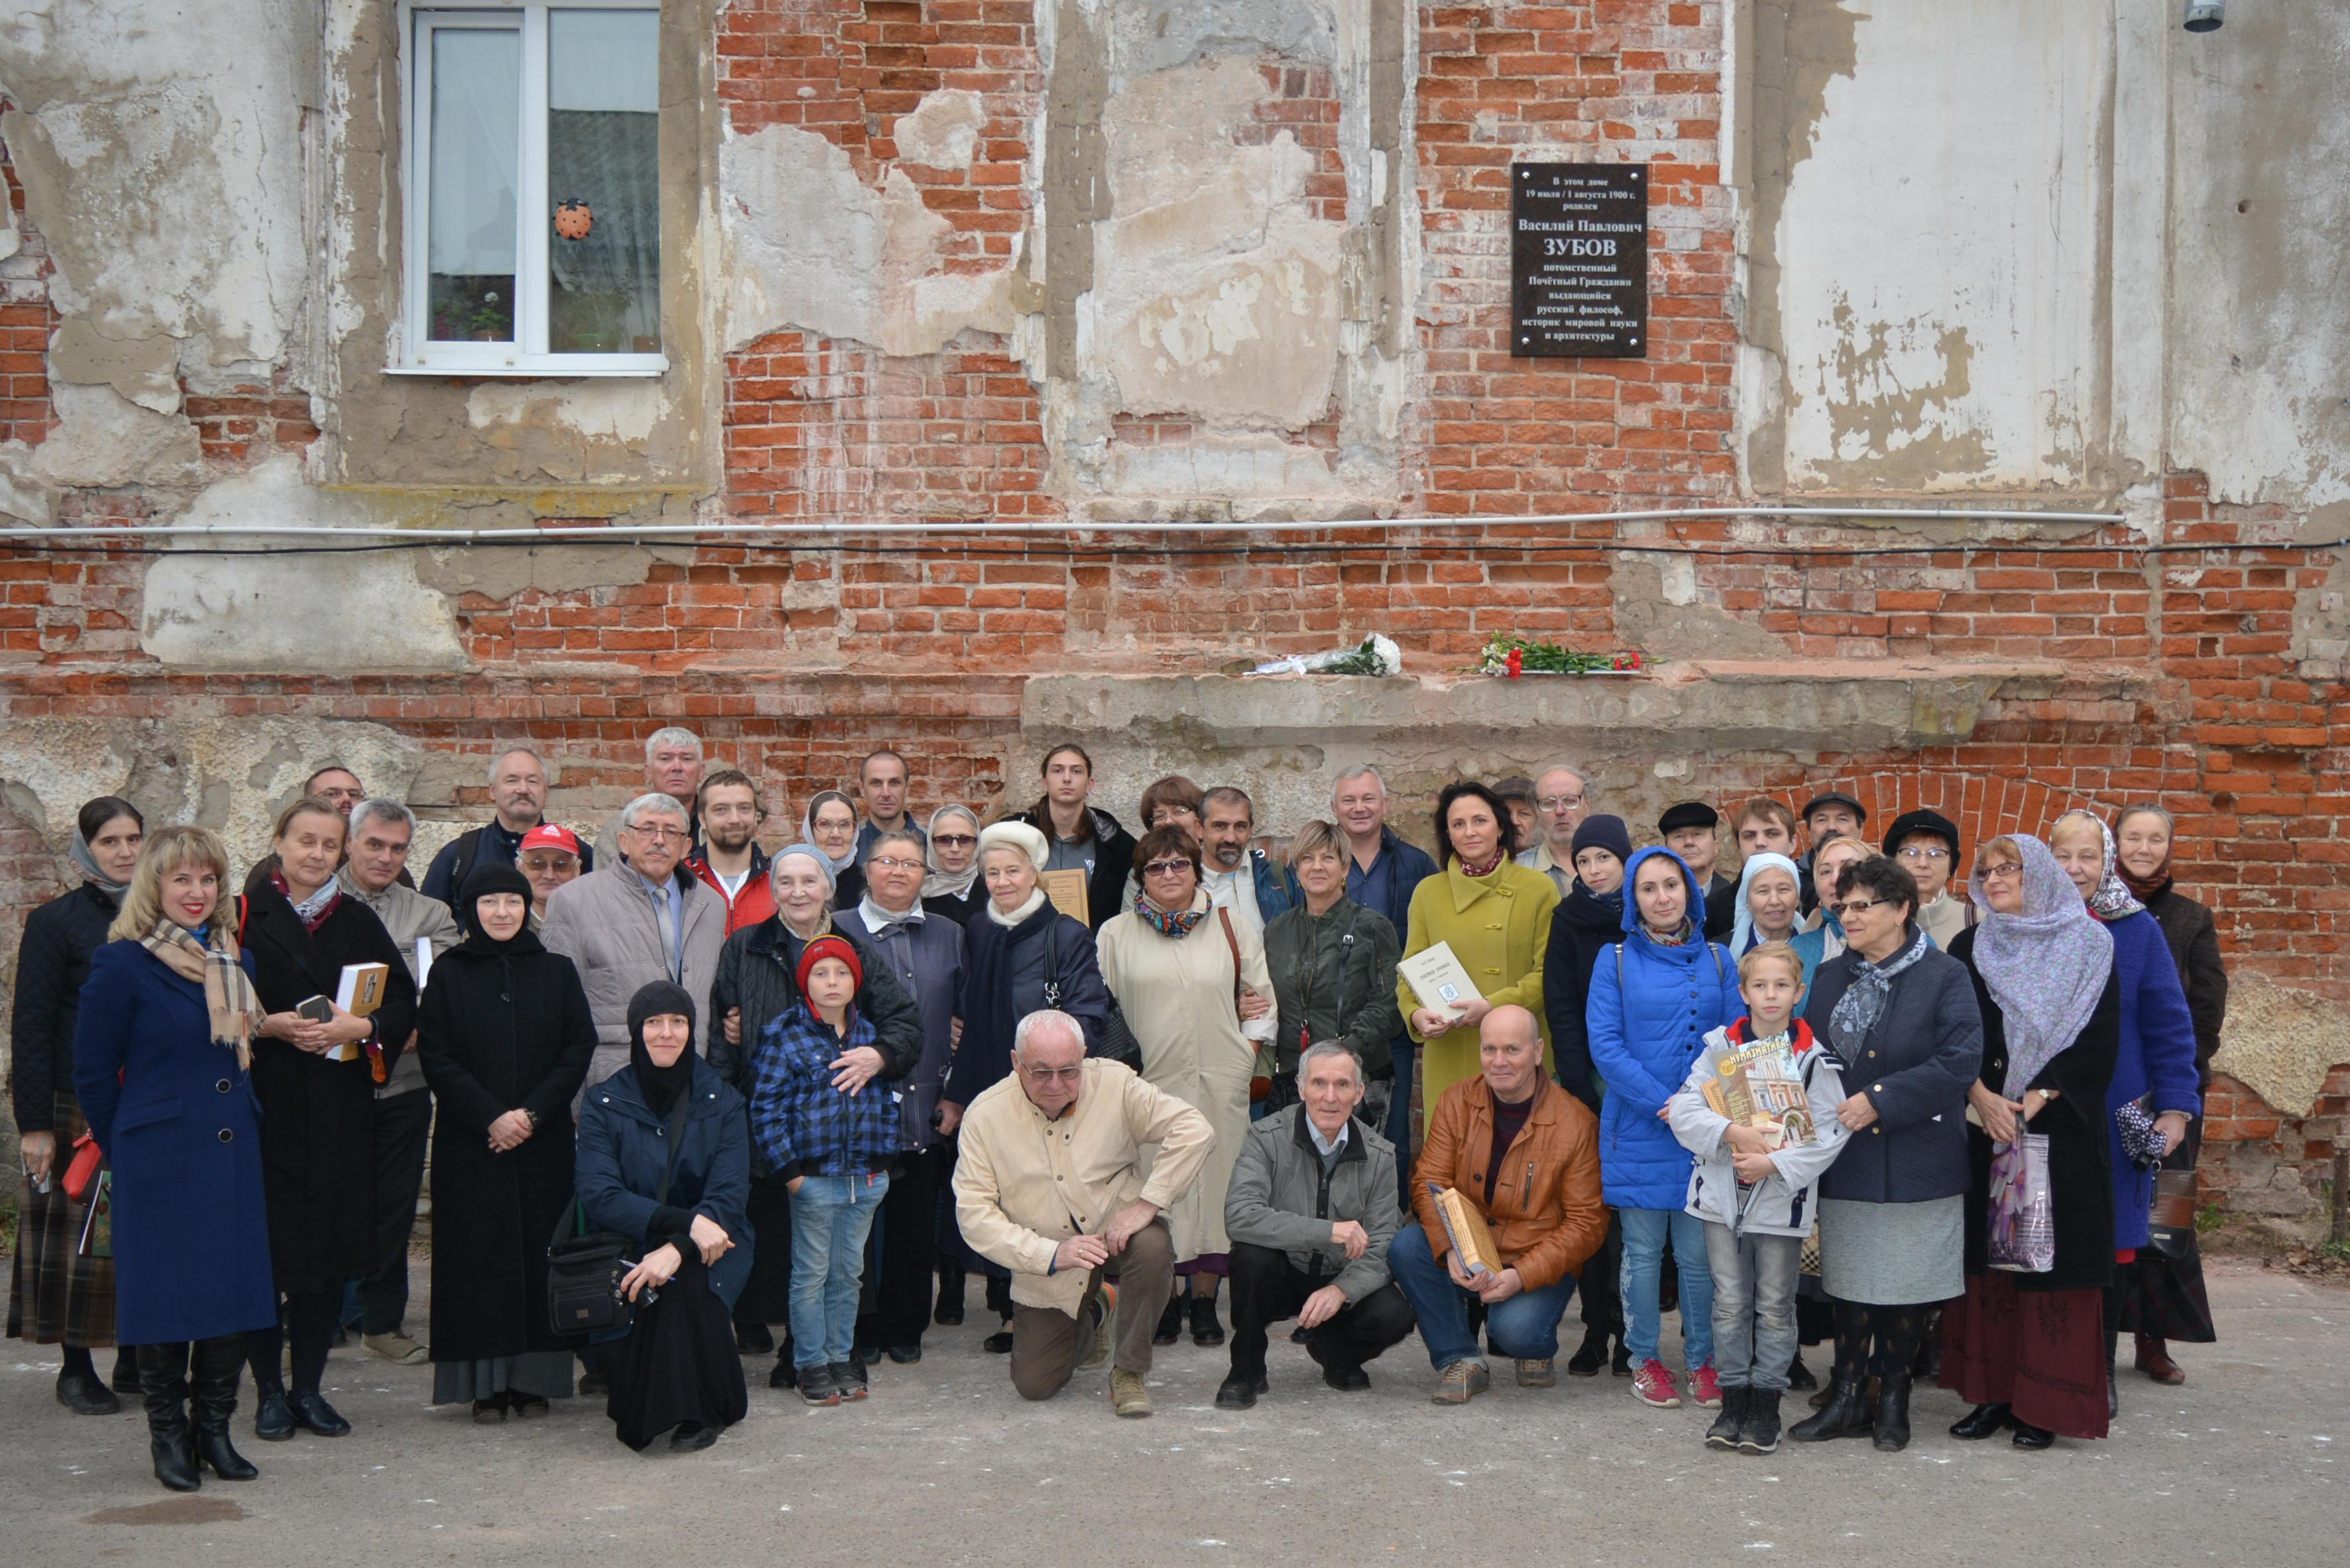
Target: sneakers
[
  {"x": 1759, "y": 1433},
  {"x": 1537, "y": 1372},
  {"x": 1724, "y": 1433},
  {"x": 816, "y": 1387},
  {"x": 848, "y": 1377},
  {"x": 1127, "y": 1396},
  {"x": 1705, "y": 1388},
  {"x": 1461, "y": 1382},
  {"x": 1105, "y": 1306},
  {"x": 397, "y": 1348},
  {"x": 1652, "y": 1384}
]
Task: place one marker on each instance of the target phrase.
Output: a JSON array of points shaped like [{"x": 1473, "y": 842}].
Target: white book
[{"x": 1437, "y": 978}]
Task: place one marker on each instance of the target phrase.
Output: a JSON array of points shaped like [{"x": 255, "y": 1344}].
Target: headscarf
[
  {"x": 1742, "y": 931},
  {"x": 2146, "y": 887},
  {"x": 498, "y": 877},
  {"x": 86, "y": 864},
  {"x": 815, "y": 857},
  {"x": 938, "y": 882},
  {"x": 2110, "y": 900},
  {"x": 807, "y": 832},
  {"x": 660, "y": 1085},
  {"x": 231, "y": 1004},
  {"x": 2046, "y": 967},
  {"x": 1863, "y": 1001}
]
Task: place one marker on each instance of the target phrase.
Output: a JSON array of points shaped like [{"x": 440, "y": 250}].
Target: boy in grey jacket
[{"x": 1759, "y": 1112}]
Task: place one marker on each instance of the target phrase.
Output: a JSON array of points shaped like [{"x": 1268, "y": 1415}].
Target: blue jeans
[
  {"x": 831, "y": 1217},
  {"x": 1525, "y": 1327},
  {"x": 1645, "y": 1230}
]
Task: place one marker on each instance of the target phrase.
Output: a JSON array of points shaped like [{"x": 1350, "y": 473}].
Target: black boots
[
  {"x": 1846, "y": 1415},
  {"x": 1206, "y": 1329},
  {"x": 1892, "y": 1433},
  {"x": 1170, "y": 1323},
  {"x": 948, "y": 1313},
  {"x": 164, "y": 1380},
  {"x": 217, "y": 1363},
  {"x": 1724, "y": 1433},
  {"x": 1983, "y": 1421},
  {"x": 1590, "y": 1356}
]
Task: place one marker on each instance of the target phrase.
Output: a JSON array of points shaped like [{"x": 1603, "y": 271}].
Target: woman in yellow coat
[
  {"x": 1199, "y": 1017},
  {"x": 1496, "y": 913}
]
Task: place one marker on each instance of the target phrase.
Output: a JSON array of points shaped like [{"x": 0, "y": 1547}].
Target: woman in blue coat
[
  {"x": 2156, "y": 1064},
  {"x": 162, "y": 1058},
  {"x": 1654, "y": 995},
  {"x": 681, "y": 1198}
]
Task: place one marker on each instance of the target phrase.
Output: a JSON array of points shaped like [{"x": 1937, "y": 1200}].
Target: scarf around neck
[
  {"x": 1479, "y": 873},
  {"x": 314, "y": 909},
  {"x": 2046, "y": 967},
  {"x": 1863, "y": 1003},
  {"x": 1175, "y": 923},
  {"x": 231, "y": 1004},
  {"x": 938, "y": 882},
  {"x": 1019, "y": 916}
]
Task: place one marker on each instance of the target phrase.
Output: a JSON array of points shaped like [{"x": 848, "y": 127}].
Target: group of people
[{"x": 1119, "y": 1078}]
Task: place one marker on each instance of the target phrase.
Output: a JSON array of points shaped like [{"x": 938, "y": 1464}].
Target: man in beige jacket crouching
[{"x": 1050, "y": 1183}]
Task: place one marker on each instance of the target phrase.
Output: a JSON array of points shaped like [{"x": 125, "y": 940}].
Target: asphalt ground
[{"x": 943, "y": 1464}]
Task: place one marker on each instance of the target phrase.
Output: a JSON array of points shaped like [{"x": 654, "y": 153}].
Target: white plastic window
[{"x": 534, "y": 191}]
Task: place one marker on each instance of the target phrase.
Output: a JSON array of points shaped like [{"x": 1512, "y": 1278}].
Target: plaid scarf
[
  {"x": 229, "y": 997},
  {"x": 1177, "y": 924}
]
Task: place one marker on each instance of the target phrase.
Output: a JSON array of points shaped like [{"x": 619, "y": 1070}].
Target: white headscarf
[
  {"x": 938, "y": 882},
  {"x": 1744, "y": 930}
]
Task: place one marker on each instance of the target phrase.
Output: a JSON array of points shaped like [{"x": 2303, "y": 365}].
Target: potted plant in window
[{"x": 490, "y": 319}]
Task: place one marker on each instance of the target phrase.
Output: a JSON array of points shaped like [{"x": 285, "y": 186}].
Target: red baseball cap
[{"x": 546, "y": 836}]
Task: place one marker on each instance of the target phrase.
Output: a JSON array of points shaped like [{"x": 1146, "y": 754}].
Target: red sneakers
[
  {"x": 1652, "y": 1384},
  {"x": 1705, "y": 1388}
]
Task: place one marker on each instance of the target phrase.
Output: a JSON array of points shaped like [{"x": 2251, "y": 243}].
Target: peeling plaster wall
[{"x": 1926, "y": 245}]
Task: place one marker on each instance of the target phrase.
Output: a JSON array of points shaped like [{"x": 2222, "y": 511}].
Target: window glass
[
  {"x": 603, "y": 151},
  {"x": 471, "y": 224}
]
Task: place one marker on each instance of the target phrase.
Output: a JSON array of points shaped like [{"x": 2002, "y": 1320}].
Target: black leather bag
[{"x": 584, "y": 1268}]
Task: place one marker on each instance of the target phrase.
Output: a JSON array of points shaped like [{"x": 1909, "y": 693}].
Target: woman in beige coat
[{"x": 1194, "y": 988}]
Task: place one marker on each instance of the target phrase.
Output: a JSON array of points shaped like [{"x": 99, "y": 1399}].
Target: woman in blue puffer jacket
[{"x": 1654, "y": 996}]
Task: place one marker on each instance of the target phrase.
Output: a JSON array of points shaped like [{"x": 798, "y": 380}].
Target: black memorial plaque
[{"x": 1579, "y": 260}]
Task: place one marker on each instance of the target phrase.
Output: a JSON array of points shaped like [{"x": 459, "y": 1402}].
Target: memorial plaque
[{"x": 1579, "y": 260}]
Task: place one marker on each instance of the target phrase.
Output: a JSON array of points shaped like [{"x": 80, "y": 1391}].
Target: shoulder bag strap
[
  {"x": 1052, "y": 961},
  {"x": 1224, "y": 917},
  {"x": 676, "y": 1142}
]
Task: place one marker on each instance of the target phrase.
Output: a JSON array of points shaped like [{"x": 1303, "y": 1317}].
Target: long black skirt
[
  {"x": 678, "y": 1363},
  {"x": 2161, "y": 1295}
]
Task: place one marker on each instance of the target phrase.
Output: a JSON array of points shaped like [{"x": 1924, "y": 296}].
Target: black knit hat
[{"x": 1606, "y": 832}]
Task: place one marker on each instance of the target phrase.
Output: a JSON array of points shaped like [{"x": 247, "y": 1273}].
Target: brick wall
[{"x": 27, "y": 319}]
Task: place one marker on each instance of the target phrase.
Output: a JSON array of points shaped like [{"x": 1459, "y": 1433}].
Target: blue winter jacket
[
  {"x": 2157, "y": 1059},
  {"x": 1652, "y": 1006}
]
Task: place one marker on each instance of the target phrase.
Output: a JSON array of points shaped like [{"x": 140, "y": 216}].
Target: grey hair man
[
  {"x": 1060, "y": 1210},
  {"x": 1562, "y": 800},
  {"x": 643, "y": 917},
  {"x": 1383, "y": 870},
  {"x": 1310, "y": 1211},
  {"x": 381, "y": 832},
  {"x": 518, "y": 784},
  {"x": 674, "y": 766}
]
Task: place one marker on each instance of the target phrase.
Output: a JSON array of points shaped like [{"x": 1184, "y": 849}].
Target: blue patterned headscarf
[{"x": 2045, "y": 965}]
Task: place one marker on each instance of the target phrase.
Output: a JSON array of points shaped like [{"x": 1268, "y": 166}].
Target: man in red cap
[{"x": 550, "y": 856}]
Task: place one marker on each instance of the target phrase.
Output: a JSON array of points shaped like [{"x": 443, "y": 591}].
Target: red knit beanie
[{"x": 829, "y": 947}]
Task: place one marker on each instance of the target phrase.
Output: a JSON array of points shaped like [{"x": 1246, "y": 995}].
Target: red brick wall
[{"x": 26, "y": 320}]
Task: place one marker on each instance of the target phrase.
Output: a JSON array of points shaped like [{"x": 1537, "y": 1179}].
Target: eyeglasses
[
  {"x": 1054, "y": 1075},
  {"x": 891, "y": 863},
  {"x": 1558, "y": 801},
  {"x": 953, "y": 840},
  {"x": 1166, "y": 868},
  {"x": 1852, "y": 907},
  {"x": 2000, "y": 873},
  {"x": 664, "y": 835},
  {"x": 1924, "y": 852}
]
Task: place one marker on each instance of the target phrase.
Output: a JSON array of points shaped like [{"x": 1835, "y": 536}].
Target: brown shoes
[{"x": 1461, "y": 1382}]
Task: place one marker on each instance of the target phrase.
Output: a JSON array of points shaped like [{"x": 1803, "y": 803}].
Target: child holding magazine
[{"x": 1759, "y": 1112}]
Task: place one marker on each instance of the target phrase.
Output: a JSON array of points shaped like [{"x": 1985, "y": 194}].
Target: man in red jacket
[{"x": 729, "y": 811}]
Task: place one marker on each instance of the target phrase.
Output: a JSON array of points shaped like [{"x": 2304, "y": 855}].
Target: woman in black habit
[
  {"x": 665, "y": 1160},
  {"x": 506, "y": 1037}
]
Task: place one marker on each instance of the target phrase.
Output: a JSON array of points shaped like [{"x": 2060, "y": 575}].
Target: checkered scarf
[{"x": 229, "y": 997}]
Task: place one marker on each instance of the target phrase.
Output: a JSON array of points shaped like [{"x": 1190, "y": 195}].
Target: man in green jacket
[{"x": 1310, "y": 1211}]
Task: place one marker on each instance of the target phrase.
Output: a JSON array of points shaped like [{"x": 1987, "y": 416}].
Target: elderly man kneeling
[
  {"x": 1054, "y": 1183},
  {"x": 1311, "y": 1210},
  {"x": 1526, "y": 1155}
]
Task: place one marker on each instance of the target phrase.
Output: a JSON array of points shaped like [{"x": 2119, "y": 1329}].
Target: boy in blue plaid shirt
[{"x": 835, "y": 1147}]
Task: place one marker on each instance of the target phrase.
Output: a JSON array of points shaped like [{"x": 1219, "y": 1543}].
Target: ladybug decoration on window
[{"x": 573, "y": 219}]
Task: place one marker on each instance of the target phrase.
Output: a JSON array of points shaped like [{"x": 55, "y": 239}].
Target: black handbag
[{"x": 584, "y": 1268}]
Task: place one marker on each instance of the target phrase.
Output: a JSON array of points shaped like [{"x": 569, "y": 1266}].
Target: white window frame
[{"x": 527, "y": 355}]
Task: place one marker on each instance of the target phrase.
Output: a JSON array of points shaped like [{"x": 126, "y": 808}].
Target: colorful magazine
[{"x": 1760, "y": 1086}]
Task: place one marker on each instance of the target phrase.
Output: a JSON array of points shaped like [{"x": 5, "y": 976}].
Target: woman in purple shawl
[{"x": 2027, "y": 1349}]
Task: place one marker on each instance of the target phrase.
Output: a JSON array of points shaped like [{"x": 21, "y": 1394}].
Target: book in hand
[
  {"x": 1761, "y": 1087},
  {"x": 1465, "y": 1230},
  {"x": 360, "y": 994},
  {"x": 1437, "y": 978}
]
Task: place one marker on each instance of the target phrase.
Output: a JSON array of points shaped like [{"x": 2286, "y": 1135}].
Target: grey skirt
[{"x": 1893, "y": 1254}]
